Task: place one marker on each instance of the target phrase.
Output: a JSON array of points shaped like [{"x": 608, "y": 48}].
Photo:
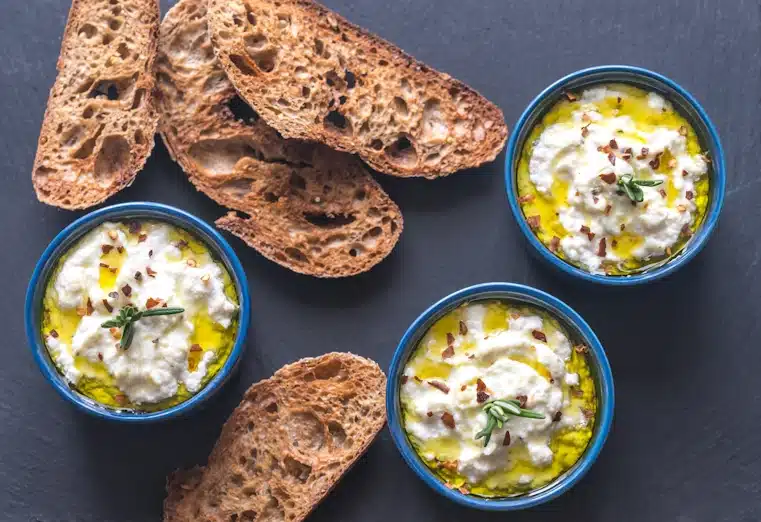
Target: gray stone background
[{"x": 685, "y": 352}]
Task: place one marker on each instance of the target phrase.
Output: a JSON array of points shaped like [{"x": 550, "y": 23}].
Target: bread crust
[
  {"x": 286, "y": 445},
  {"x": 311, "y": 74},
  {"x": 311, "y": 209},
  {"x": 100, "y": 122}
]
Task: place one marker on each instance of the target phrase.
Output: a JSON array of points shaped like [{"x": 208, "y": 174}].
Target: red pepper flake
[
  {"x": 150, "y": 272},
  {"x": 577, "y": 392},
  {"x": 120, "y": 249},
  {"x": 152, "y": 303},
  {"x": 655, "y": 162},
  {"x": 134, "y": 227},
  {"x": 54, "y": 334},
  {"x": 196, "y": 348},
  {"x": 608, "y": 177},
  {"x": 417, "y": 378},
  {"x": 107, "y": 306},
  {"x": 481, "y": 397},
  {"x": 601, "y": 248},
  {"x": 89, "y": 308},
  {"x": 480, "y": 385},
  {"x": 662, "y": 193},
  {"x": 113, "y": 295},
  {"x": 585, "y": 131},
  {"x": 613, "y": 144},
  {"x": 104, "y": 265},
  {"x": 449, "y": 352},
  {"x": 142, "y": 238},
  {"x": 614, "y": 243},
  {"x": 586, "y": 230},
  {"x": 121, "y": 399},
  {"x": 554, "y": 244},
  {"x": 539, "y": 335},
  {"x": 448, "y": 420},
  {"x": 113, "y": 270},
  {"x": 558, "y": 415},
  {"x": 608, "y": 209},
  {"x": 430, "y": 414},
  {"x": 528, "y": 198},
  {"x": 534, "y": 222},
  {"x": 612, "y": 158},
  {"x": 627, "y": 150},
  {"x": 405, "y": 379},
  {"x": 450, "y": 339},
  {"x": 439, "y": 386},
  {"x": 150, "y": 253},
  {"x": 689, "y": 194},
  {"x": 589, "y": 414},
  {"x": 685, "y": 173},
  {"x": 623, "y": 227},
  {"x": 182, "y": 244},
  {"x": 522, "y": 400},
  {"x": 595, "y": 199},
  {"x": 106, "y": 248},
  {"x": 570, "y": 96},
  {"x": 471, "y": 356},
  {"x": 506, "y": 440},
  {"x": 127, "y": 290},
  {"x": 138, "y": 276},
  {"x": 463, "y": 387},
  {"x": 463, "y": 328},
  {"x": 100, "y": 356},
  {"x": 686, "y": 231}
]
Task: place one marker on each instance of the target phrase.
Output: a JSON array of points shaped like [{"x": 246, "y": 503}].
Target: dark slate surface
[{"x": 686, "y": 442}]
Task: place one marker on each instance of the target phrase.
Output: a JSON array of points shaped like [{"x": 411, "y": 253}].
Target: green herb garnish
[
  {"x": 129, "y": 315},
  {"x": 632, "y": 186},
  {"x": 497, "y": 413}
]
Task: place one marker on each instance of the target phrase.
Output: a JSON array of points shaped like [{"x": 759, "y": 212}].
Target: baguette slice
[
  {"x": 99, "y": 124},
  {"x": 313, "y": 75},
  {"x": 311, "y": 209},
  {"x": 286, "y": 445}
]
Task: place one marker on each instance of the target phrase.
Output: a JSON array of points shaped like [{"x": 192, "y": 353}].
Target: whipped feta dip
[
  {"x": 146, "y": 265},
  {"x": 575, "y": 160},
  {"x": 505, "y": 353}
]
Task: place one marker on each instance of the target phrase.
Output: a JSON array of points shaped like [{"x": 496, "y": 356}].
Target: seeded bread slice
[
  {"x": 286, "y": 445},
  {"x": 313, "y": 75},
  {"x": 99, "y": 124},
  {"x": 307, "y": 207}
]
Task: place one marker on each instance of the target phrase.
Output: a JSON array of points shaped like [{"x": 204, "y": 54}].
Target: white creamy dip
[
  {"x": 153, "y": 267},
  {"x": 510, "y": 363},
  {"x": 569, "y": 157}
]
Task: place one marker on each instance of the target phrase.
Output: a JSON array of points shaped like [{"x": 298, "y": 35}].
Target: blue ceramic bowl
[
  {"x": 66, "y": 239},
  {"x": 576, "y": 327},
  {"x": 682, "y": 100}
]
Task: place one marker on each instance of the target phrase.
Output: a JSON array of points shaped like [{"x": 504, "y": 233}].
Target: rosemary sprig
[
  {"x": 632, "y": 186},
  {"x": 127, "y": 318},
  {"x": 497, "y": 413}
]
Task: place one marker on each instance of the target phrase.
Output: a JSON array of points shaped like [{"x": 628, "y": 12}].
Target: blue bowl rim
[
  {"x": 604, "y": 415},
  {"x": 155, "y": 211},
  {"x": 718, "y": 182}
]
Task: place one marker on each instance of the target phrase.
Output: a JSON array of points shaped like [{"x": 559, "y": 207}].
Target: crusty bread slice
[
  {"x": 286, "y": 445},
  {"x": 99, "y": 124},
  {"x": 311, "y": 209},
  {"x": 312, "y": 75}
]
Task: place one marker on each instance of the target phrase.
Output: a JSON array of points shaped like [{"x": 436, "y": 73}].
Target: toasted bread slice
[
  {"x": 100, "y": 121},
  {"x": 286, "y": 445},
  {"x": 311, "y": 209},
  {"x": 312, "y": 75}
]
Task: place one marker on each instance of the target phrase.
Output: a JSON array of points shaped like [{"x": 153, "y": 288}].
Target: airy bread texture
[
  {"x": 313, "y": 75},
  {"x": 309, "y": 208},
  {"x": 286, "y": 445},
  {"x": 99, "y": 123}
]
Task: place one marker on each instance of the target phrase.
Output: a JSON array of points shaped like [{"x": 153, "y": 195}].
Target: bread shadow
[{"x": 442, "y": 194}]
